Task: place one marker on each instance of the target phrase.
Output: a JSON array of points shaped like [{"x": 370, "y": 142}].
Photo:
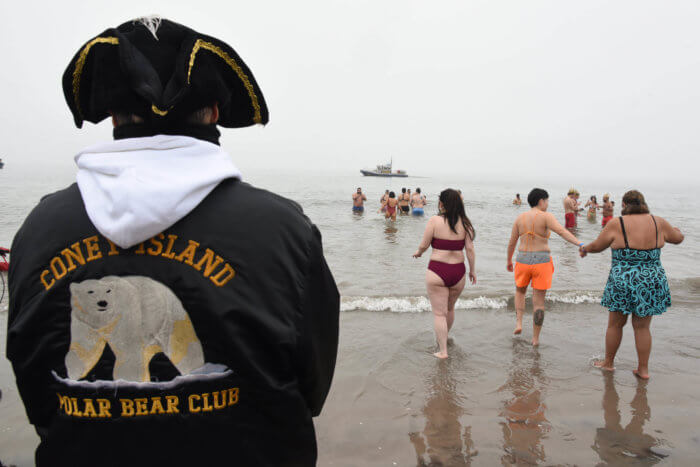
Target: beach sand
[{"x": 497, "y": 400}]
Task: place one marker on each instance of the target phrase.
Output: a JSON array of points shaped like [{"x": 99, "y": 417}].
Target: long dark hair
[
  {"x": 634, "y": 203},
  {"x": 453, "y": 212}
]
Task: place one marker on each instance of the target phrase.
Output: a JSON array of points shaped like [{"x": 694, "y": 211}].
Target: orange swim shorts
[{"x": 540, "y": 275}]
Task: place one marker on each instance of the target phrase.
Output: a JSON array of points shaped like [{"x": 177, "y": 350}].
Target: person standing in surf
[
  {"x": 570, "y": 209},
  {"x": 383, "y": 200},
  {"x": 404, "y": 200},
  {"x": 534, "y": 261},
  {"x": 592, "y": 205},
  {"x": 358, "y": 200},
  {"x": 391, "y": 206},
  {"x": 608, "y": 208},
  {"x": 418, "y": 203},
  {"x": 448, "y": 233},
  {"x": 637, "y": 283}
]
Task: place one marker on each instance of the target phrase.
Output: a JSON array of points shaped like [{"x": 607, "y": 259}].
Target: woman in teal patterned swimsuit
[{"x": 637, "y": 282}]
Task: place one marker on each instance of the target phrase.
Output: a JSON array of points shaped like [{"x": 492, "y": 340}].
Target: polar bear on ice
[{"x": 138, "y": 317}]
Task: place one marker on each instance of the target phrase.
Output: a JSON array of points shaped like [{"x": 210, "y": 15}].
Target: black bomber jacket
[{"x": 212, "y": 343}]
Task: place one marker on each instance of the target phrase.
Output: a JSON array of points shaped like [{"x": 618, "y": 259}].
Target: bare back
[
  {"x": 569, "y": 205},
  {"x": 439, "y": 228},
  {"x": 417, "y": 201},
  {"x": 641, "y": 232},
  {"x": 533, "y": 230}
]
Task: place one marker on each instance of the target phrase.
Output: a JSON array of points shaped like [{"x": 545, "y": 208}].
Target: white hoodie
[{"x": 135, "y": 188}]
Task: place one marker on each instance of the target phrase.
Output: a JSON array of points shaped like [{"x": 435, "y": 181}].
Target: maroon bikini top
[{"x": 442, "y": 244}]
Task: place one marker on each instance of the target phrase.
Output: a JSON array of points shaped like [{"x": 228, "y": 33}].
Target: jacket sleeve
[
  {"x": 33, "y": 330},
  {"x": 319, "y": 329}
]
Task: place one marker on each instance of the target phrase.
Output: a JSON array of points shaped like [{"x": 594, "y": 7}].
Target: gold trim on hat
[
  {"x": 201, "y": 44},
  {"x": 80, "y": 64},
  {"x": 157, "y": 111}
]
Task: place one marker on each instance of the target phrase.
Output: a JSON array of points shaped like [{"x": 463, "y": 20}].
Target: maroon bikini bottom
[{"x": 449, "y": 273}]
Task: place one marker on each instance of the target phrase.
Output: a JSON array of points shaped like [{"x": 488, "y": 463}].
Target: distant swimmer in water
[
  {"x": 383, "y": 200},
  {"x": 385, "y": 196},
  {"x": 418, "y": 202},
  {"x": 404, "y": 200},
  {"x": 570, "y": 209},
  {"x": 391, "y": 206},
  {"x": 534, "y": 261},
  {"x": 517, "y": 201},
  {"x": 637, "y": 283},
  {"x": 592, "y": 205},
  {"x": 358, "y": 200},
  {"x": 448, "y": 233},
  {"x": 608, "y": 209}
]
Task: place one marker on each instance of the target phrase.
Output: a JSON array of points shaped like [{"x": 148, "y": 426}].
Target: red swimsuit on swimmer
[
  {"x": 449, "y": 273},
  {"x": 451, "y": 245}
]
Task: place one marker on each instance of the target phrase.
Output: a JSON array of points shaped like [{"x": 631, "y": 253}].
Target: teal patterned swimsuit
[{"x": 637, "y": 281}]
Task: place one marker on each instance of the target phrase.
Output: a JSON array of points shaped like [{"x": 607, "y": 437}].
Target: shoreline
[
  {"x": 495, "y": 400},
  {"x": 499, "y": 400}
]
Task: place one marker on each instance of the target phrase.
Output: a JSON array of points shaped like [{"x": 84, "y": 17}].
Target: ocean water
[
  {"x": 371, "y": 258},
  {"x": 496, "y": 400}
]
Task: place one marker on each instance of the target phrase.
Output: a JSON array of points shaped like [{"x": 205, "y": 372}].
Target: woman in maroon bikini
[{"x": 448, "y": 233}]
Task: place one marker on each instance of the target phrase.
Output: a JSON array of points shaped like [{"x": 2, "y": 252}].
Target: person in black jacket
[{"x": 162, "y": 311}]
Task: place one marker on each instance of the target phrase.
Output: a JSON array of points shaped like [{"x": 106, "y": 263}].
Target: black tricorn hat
[{"x": 161, "y": 71}]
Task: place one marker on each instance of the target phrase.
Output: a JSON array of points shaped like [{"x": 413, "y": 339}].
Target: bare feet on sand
[
  {"x": 601, "y": 364},
  {"x": 518, "y": 329},
  {"x": 641, "y": 374},
  {"x": 535, "y": 342},
  {"x": 439, "y": 355}
]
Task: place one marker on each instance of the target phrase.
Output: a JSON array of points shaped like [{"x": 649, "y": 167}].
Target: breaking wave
[
  {"x": 573, "y": 297},
  {"x": 419, "y": 304},
  {"x": 415, "y": 304}
]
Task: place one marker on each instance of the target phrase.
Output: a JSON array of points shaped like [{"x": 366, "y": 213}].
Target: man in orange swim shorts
[{"x": 534, "y": 263}]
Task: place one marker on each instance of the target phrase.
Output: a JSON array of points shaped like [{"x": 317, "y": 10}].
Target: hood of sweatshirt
[{"x": 135, "y": 188}]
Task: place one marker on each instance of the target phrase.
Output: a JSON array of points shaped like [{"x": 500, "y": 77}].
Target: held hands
[{"x": 582, "y": 251}]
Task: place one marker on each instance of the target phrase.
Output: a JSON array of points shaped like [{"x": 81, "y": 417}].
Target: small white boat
[{"x": 384, "y": 170}]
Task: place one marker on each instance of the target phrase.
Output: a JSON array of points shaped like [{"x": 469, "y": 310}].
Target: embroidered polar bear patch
[{"x": 139, "y": 317}]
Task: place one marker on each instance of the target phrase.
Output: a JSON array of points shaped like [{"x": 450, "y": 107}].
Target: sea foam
[
  {"x": 419, "y": 304},
  {"x": 415, "y": 304}
]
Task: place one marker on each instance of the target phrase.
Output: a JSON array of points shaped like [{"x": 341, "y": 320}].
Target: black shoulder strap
[
  {"x": 656, "y": 231},
  {"x": 624, "y": 234}
]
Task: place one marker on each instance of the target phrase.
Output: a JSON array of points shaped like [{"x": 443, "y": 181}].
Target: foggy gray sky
[{"x": 445, "y": 87}]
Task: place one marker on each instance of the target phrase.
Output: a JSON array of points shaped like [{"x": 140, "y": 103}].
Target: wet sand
[{"x": 496, "y": 401}]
